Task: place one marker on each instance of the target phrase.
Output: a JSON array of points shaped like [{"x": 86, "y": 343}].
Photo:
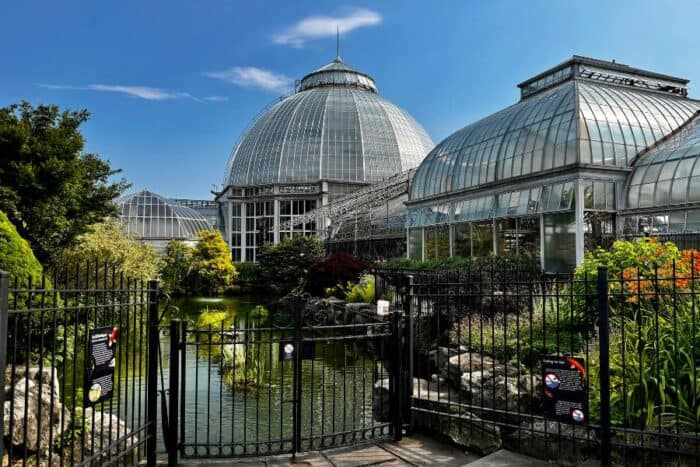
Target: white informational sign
[{"x": 382, "y": 307}]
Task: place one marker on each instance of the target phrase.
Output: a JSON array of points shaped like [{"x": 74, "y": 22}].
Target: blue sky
[{"x": 172, "y": 85}]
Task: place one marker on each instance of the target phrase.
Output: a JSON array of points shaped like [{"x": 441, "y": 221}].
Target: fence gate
[{"x": 303, "y": 377}]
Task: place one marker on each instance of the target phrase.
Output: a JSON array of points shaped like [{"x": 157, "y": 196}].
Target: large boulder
[
  {"x": 503, "y": 391},
  {"x": 33, "y": 412},
  {"x": 103, "y": 429},
  {"x": 461, "y": 363},
  {"x": 435, "y": 411}
]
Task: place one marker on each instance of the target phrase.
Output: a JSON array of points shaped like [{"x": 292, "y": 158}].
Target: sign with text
[
  {"x": 565, "y": 389},
  {"x": 99, "y": 364}
]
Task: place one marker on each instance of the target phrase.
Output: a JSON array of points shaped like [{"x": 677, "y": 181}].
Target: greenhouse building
[
  {"x": 155, "y": 220},
  {"x": 334, "y": 135},
  {"x": 593, "y": 150}
]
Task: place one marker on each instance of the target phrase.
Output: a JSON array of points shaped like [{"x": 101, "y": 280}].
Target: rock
[
  {"x": 47, "y": 376},
  {"x": 440, "y": 358},
  {"x": 467, "y": 362},
  {"x": 454, "y": 422},
  {"x": 435, "y": 378},
  {"x": 503, "y": 392},
  {"x": 101, "y": 429},
  {"x": 461, "y": 427},
  {"x": 35, "y": 411},
  {"x": 576, "y": 443}
]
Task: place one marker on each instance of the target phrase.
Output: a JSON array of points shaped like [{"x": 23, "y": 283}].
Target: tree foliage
[
  {"x": 283, "y": 266},
  {"x": 212, "y": 267},
  {"x": 104, "y": 244},
  {"x": 49, "y": 187},
  {"x": 176, "y": 268},
  {"x": 16, "y": 256}
]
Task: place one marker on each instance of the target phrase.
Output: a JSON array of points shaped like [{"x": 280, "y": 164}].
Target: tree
[
  {"x": 16, "y": 256},
  {"x": 212, "y": 267},
  {"x": 176, "y": 267},
  {"x": 284, "y": 265},
  {"x": 106, "y": 245},
  {"x": 50, "y": 188}
]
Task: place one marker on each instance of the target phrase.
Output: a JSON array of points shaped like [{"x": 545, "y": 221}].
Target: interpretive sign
[
  {"x": 565, "y": 389},
  {"x": 99, "y": 364},
  {"x": 382, "y": 307},
  {"x": 288, "y": 351}
]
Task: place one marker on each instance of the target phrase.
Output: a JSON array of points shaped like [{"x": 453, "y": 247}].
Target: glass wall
[
  {"x": 415, "y": 244},
  {"x": 437, "y": 242},
  {"x": 236, "y": 232},
  {"x": 482, "y": 238},
  {"x": 462, "y": 244},
  {"x": 559, "y": 242}
]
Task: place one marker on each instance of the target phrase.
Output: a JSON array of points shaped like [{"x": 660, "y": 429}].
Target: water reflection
[{"x": 238, "y": 394}]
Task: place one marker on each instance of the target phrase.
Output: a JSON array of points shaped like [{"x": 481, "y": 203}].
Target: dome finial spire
[{"x": 337, "y": 43}]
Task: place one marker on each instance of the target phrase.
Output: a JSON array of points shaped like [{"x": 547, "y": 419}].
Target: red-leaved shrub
[{"x": 336, "y": 269}]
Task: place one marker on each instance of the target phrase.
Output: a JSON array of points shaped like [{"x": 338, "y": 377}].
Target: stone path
[{"x": 418, "y": 450}]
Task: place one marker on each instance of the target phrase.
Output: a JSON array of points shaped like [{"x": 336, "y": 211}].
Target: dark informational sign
[
  {"x": 99, "y": 364},
  {"x": 288, "y": 351},
  {"x": 565, "y": 389}
]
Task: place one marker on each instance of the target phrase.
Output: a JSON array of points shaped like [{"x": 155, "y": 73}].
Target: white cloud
[
  {"x": 215, "y": 98},
  {"x": 252, "y": 77},
  {"x": 315, "y": 27},
  {"x": 142, "y": 92}
]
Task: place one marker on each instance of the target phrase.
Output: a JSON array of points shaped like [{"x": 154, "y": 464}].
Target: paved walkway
[{"x": 416, "y": 451}]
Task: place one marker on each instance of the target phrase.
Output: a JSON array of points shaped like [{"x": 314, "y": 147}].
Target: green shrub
[
  {"x": 550, "y": 327},
  {"x": 247, "y": 272},
  {"x": 212, "y": 269},
  {"x": 16, "y": 256},
  {"x": 362, "y": 292},
  {"x": 283, "y": 267},
  {"x": 106, "y": 245},
  {"x": 485, "y": 263},
  {"x": 176, "y": 268}
]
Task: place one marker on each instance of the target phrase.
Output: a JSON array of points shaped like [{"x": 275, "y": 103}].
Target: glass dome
[
  {"x": 335, "y": 127},
  {"x": 148, "y": 216},
  {"x": 575, "y": 122}
]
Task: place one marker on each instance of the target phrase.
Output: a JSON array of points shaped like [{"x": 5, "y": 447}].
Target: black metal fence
[
  {"x": 477, "y": 340},
  {"x": 296, "y": 377},
  {"x": 56, "y": 412}
]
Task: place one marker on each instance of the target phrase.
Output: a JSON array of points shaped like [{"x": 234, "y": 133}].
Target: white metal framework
[
  {"x": 333, "y": 136},
  {"x": 550, "y": 175}
]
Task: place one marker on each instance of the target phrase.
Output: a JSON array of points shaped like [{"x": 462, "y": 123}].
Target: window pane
[{"x": 559, "y": 242}]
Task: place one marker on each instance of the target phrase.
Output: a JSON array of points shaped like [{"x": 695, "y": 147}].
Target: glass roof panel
[{"x": 663, "y": 176}]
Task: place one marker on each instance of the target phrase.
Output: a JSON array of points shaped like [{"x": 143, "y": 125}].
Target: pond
[{"x": 238, "y": 397}]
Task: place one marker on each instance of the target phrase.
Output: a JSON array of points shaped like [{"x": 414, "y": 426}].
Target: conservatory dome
[
  {"x": 152, "y": 218},
  {"x": 335, "y": 127}
]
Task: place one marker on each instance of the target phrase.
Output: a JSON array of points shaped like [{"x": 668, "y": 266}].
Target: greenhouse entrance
[{"x": 283, "y": 382}]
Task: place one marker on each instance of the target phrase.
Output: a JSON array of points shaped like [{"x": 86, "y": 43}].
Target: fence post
[
  {"x": 4, "y": 293},
  {"x": 298, "y": 305},
  {"x": 408, "y": 357},
  {"x": 395, "y": 383},
  {"x": 152, "y": 372},
  {"x": 173, "y": 396},
  {"x": 604, "y": 342}
]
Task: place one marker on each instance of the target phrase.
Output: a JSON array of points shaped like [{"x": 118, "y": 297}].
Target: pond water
[{"x": 238, "y": 393}]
